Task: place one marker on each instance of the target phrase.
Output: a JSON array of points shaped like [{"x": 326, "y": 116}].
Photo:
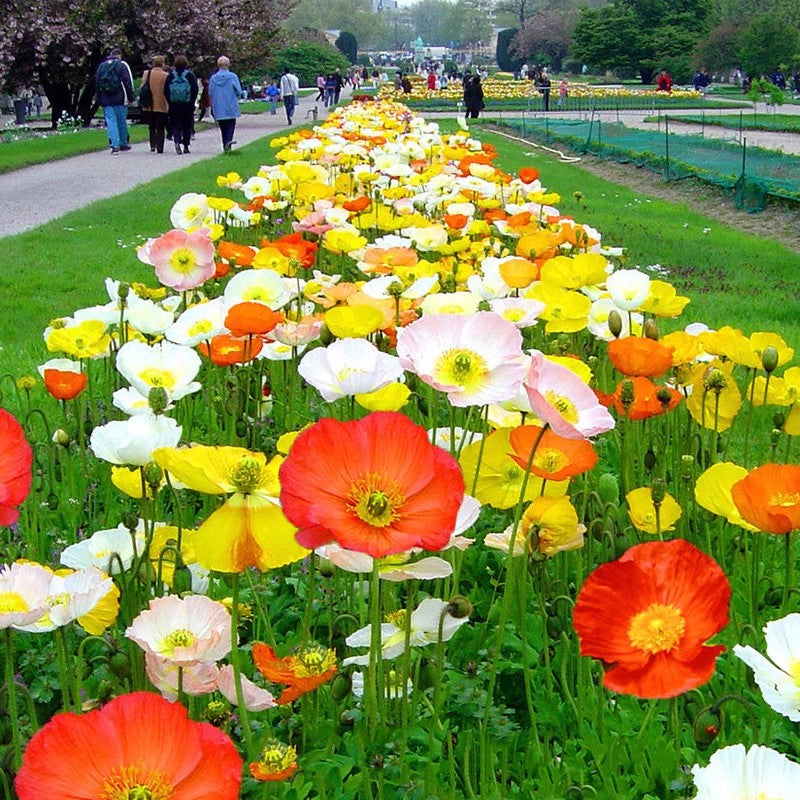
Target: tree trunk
[
  {"x": 58, "y": 95},
  {"x": 646, "y": 74},
  {"x": 87, "y": 105}
]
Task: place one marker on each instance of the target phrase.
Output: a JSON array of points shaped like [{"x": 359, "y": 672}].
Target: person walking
[
  {"x": 273, "y": 95},
  {"x": 290, "y": 87},
  {"x": 543, "y": 84},
  {"x": 204, "y": 104},
  {"x": 181, "y": 91},
  {"x": 473, "y": 97},
  {"x": 114, "y": 89},
  {"x": 225, "y": 92},
  {"x": 320, "y": 87},
  {"x": 156, "y": 77},
  {"x": 337, "y": 76}
]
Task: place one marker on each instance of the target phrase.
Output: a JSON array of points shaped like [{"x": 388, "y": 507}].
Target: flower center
[
  {"x": 183, "y": 261},
  {"x": 398, "y": 618},
  {"x": 11, "y": 602},
  {"x": 464, "y": 368},
  {"x": 153, "y": 376},
  {"x": 375, "y": 500},
  {"x": 312, "y": 659},
  {"x": 203, "y": 326},
  {"x": 277, "y": 757},
  {"x": 785, "y": 499},
  {"x": 656, "y": 629},
  {"x": 563, "y": 405},
  {"x": 136, "y": 783},
  {"x": 247, "y": 475},
  {"x": 550, "y": 460},
  {"x": 181, "y": 637}
]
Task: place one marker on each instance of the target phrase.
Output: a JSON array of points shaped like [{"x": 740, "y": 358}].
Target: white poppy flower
[
  {"x": 107, "y": 550},
  {"x": 169, "y": 366},
  {"x": 132, "y": 441},
  {"x": 628, "y": 288},
  {"x": 258, "y": 286},
  {"x": 199, "y": 323},
  {"x": 189, "y": 211}
]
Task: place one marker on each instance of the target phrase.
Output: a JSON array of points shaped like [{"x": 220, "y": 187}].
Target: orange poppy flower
[
  {"x": 16, "y": 458},
  {"x": 311, "y": 666},
  {"x": 528, "y": 174},
  {"x": 357, "y": 203},
  {"x": 138, "y": 745},
  {"x": 294, "y": 246},
  {"x": 577, "y": 236},
  {"x": 225, "y": 350},
  {"x": 645, "y": 402},
  {"x": 385, "y": 260},
  {"x": 242, "y": 254},
  {"x": 648, "y": 614},
  {"x": 473, "y": 158},
  {"x": 492, "y": 214},
  {"x": 518, "y": 272},
  {"x": 277, "y": 763},
  {"x": 769, "y": 497},
  {"x": 556, "y": 458},
  {"x": 64, "y": 385},
  {"x": 456, "y": 221},
  {"x": 375, "y": 485},
  {"x": 247, "y": 319},
  {"x": 638, "y": 355},
  {"x": 221, "y": 268},
  {"x": 540, "y": 245}
]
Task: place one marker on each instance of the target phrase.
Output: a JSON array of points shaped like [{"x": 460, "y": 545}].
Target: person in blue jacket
[{"x": 225, "y": 92}]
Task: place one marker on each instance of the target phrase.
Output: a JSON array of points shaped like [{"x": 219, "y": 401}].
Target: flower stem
[
  {"x": 237, "y": 671},
  {"x": 11, "y": 688}
]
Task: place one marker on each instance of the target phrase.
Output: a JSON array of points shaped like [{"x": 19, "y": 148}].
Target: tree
[
  {"x": 434, "y": 21},
  {"x": 307, "y": 60},
  {"x": 347, "y": 45},
  {"x": 59, "y": 45},
  {"x": 355, "y": 16},
  {"x": 546, "y": 37},
  {"x": 638, "y": 35},
  {"x": 767, "y": 43},
  {"x": 505, "y": 60},
  {"x": 720, "y": 50}
]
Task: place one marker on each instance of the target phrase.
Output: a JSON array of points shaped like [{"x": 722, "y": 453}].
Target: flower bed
[{"x": 393, "y": 487}]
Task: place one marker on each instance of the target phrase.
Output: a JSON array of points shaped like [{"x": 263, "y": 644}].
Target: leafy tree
[
  {"x": 546, "y": 37},
  {"x": 347, "y": 45},
  {"x": 505, "y": 60},
  {"x": 766, "y": 43},
  {"x": 638, "y": 35},
  {"x": 355, "y": 16},
  {"x": 436, "y": 22},
  {"x": 307, "y": 60},
  {"x": 720, "y": 50},
  {"x": 59, "y": 45}
]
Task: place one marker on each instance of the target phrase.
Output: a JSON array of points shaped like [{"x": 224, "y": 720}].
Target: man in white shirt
[{"x": 289, "y": 87}]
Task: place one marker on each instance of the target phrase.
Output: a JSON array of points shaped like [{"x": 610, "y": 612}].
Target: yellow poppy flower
[
  {"x": 249, "y": 529},
  {"x": 271, "y": 258},
  {"x": 565, "y": 311},
  {"x": 85, "y": 340},
  {"x": 685, "y": 347},
  {"x": 585, "y": 269},
  {"x": 713, "y": 492},
  {"x": 642, "y": 511},
  {"x": 341, "y": 240},
  {"x": 663, "y": 300},
  {"x": 353, "y": 321},
  {"x": 556, "y": 522},
  {"x": 103, "y": 615},
  {"x": 715, "y": 399},
  {"x": 390, "y": 398},
  {"x": 129, "y": 481}
]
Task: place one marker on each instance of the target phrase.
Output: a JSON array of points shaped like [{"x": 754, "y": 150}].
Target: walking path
[{"x": 31, "y": 196}]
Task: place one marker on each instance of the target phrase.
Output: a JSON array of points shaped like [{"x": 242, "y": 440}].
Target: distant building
[{"x": 384, "y": 5}]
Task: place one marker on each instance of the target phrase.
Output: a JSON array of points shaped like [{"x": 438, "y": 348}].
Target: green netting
[{"x": 753, "y": 173}]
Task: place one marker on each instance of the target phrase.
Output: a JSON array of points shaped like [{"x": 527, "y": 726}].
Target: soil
[{"x": 780, "y": 221}]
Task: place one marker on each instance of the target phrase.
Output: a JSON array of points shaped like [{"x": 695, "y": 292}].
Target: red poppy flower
[
  {"x": 248, "y": 319},
  {"x": 224, "y": 350},
  {"x": 648, "y": 614},
  {"x": 302, "y": 672},
  {"x": 139, "y": 745},
  {"x": 638, "y": 355},
  {"x": 375, "y": 485},
  {"x": 556, "y": 458},
  {"x": 16, "y": 458},
  {"x": 63, "y": 384},
  {"x": 645, "y": 402},
  {"x": 456, "y": 221},
  {"x": 242, "y": 254},
  {"x": 769, "y": 497}
]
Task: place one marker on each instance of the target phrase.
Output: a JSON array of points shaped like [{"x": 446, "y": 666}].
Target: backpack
[
  {"x": 180, "y": 91},
  {"x": 108, "y": 80}
]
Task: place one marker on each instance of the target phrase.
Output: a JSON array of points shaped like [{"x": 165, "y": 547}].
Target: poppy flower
[
  {"x": 16, "y": 458},
  {"x": 375, "y": 485},
  {"x": 138, "y": 745},
  {"x": 769, "y": 497},
  {"x": 638, "y": 355},
  {"x": 648, "y": 614},
  {"x": 225, "y": 350},
  {"x": 645, "y": 402},
  {"x": 357, "y": 204},
  {"x": 251, "y": 319},
  {"x": 305, "y": 670},
  {"x": 277, "y": 763},
  {"x": 556, "y": 458},
  {"x": 628, "y": 288},
  {"x": 713, "y": 491},
  {"x": 63, "y": 378},
  {"x": 642, "y": 511},
  {"x": 528, "y": 174},
  {"x": 181, "y": 260},
  {"x": 241, "y": 254}
]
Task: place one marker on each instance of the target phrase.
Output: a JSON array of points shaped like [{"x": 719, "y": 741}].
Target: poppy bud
[
  {"x": 775, "y": 436},
  {"x": 650, "y": 329},
  {"x": 105, "y": 690},
  {"x": 120, "y": 665},
  {"x": 687, "y": 467},
  {"x": 181, "y": 579},
  {"x": 664, "y": 397},
  {"x": 778, "y": 420},
  {"x": 615, "y": 323},
  {"x": 769, "y": 359},
  {"x": 707, "y": 726},
  {"x": 153, "y": 474},
  {"x": 325, "y": 568},
  {"x": 61, "y": 437},
  {"x": 658, "y": 491},
  {"x": 459, "y": 607},
  {"x": 427, "y": 674},
  {"x": 340, "y": 687},
  {"x": 130, "y": 519},
  {"x": 325, "y": 335},
  {"x": 157, "y": 399},
  {"x": 241, "y": 428},
  {"x": 649, "y": 460},
  {"x": 714, "y": 380},
  {"x": 122, "y": 290},
  {"x": 608, "y": 488},
  {"x": 626, "y": 395},
  {"x": 52, "y": 501}
]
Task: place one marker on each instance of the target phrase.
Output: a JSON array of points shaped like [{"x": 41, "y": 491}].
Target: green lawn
[
  {"x": 731, "y": 276},
  {"x": 760, "y": 122}
]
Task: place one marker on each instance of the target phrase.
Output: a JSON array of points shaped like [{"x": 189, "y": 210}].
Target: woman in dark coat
[
  {"x": 181, "y": 92},
  {"x": 473, "y": 97}
]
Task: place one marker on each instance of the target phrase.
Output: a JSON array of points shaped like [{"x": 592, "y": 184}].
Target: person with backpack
[
  {"x": 225, "y": 92},
  {"x": 114, "y": 89},
  {"x": 181, "y": 92}
]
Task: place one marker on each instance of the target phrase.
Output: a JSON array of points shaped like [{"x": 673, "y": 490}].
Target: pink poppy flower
[
  {"x": 184, "y": 630},
  {"x": 561, "y": 399},
  {"x": 182, "y": 260},
  {"x": 198, "y": 679},
  {"x": 475, "y": 359},
  {"x": 255, "y": 698}
]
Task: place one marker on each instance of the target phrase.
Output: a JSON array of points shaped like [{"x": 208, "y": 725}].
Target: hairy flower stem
[
  {"x": 11, "y": 689},
  {"x": 237, "y": 670}
]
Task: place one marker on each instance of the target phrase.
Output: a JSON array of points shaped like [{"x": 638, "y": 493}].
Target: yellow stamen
[
  {"x": 657, "y": 629},
  {"x": 136, "y": 783},
  {"x": 375, "y": 500}
]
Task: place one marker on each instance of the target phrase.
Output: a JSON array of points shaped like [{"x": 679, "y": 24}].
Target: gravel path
[{"x": 32, "y": 196}]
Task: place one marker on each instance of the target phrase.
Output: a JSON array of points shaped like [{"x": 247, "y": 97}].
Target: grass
[
  {"x": 760, "y": 122},
  {"x": 730, "y": 275}
]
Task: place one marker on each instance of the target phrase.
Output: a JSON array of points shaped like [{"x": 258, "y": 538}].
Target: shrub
[
  {"x": 307, "y": 60},
  {"x": 347, "y": 45},
  {"x": 505, "y": 60}
]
